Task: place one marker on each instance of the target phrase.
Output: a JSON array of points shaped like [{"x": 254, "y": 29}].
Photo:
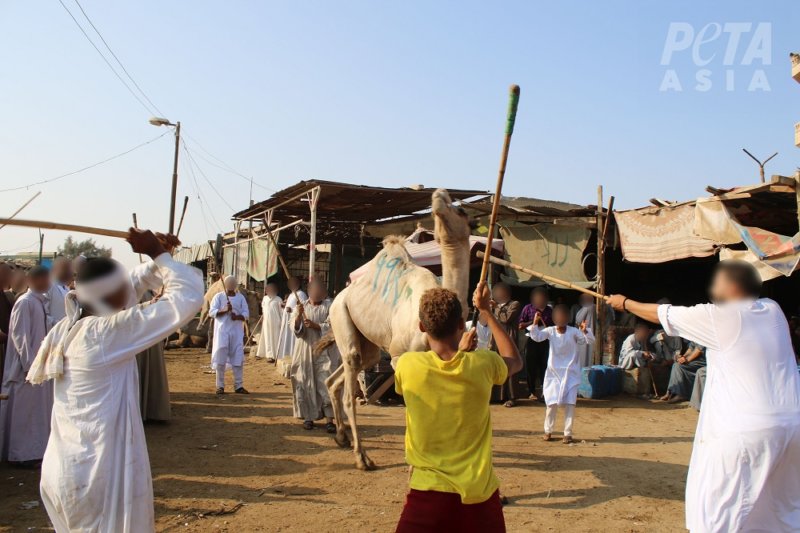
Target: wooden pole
[
  {"x": 23, "y": 207},
  {"x": 540, "y": 275},
  {"x": 283, "y": 263},
  {"x": 42, "y": 224},
  {"x": 600, "y": 305},
  {"x": 511, "y": 117}
]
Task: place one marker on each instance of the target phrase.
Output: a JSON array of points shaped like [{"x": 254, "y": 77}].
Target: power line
[
  {"x": 107, "y": 62},
  {"x": 201, "y": 199},
  {"x": 72, "y": 173},
  {"x": 203, "y": 174},
  {"x": 226, "y": 167},
  {"x": 116, "y": 58}
]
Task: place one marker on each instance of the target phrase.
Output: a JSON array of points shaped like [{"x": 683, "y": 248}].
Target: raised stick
[
  {"x": 23, "y": 207},
  {"x": 540, "y": 275},
  {"x": 136, "y": 225},
  {"x": 42, "y": 224},
  {"x": 513, "y": 102},
  {"x": 183, "y": 214}
]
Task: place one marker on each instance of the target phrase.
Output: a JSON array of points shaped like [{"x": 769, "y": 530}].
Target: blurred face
[
  {"x": 317, "y": 292},
  {"x": 39, "y": 283},
  {"x": 18, "y": 279},
  {"x": 539, "y": 299},
  {"x": 294, "y": 284},
  {"x": 642, "y": 334},
  {"x": 62, "y": 270},
  {"x": 118, "y": 300},
  {"x": 500, "y": 294},
  {"x": 722, "y": 289},
  {"x": 272, "y": 290},
  {"x": 5, "y": 277},
  {"x": 560, "y": 317},
  {"x": 230, "y": 284}
]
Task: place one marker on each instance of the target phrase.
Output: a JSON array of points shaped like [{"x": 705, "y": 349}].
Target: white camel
[{"x": 380, "y": 311}]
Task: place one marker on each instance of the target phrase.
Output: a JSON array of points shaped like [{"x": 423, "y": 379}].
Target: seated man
[
  {"x": 681, "y": 380},
  {"x": 699, "y": 388},
  {"x": 635, "y": 351}
]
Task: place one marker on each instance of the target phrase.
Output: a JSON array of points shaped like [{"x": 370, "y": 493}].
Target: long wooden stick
[
  {"x": 22, "y": 207},
  {"x": 513, "y": 103},
  {"x": 42, "y": 224},
  {"x": 540, "y": 275}
]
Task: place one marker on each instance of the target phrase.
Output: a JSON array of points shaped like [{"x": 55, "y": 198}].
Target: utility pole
[
  {"x": 41, "y": 246},
  {"x": 174, "y": 179}
]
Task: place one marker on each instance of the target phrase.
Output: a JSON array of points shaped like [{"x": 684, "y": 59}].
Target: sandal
[
  {"x": 220, "y": 391},
  {"x": 510, "y": 403},
  {"x": 308, "y": 424},
  {"x": 330, "y": 427},
  {"x": 567, "y": 440},
  {"x": 547, "y": 437},
  {"x": 241, "y": 390}
]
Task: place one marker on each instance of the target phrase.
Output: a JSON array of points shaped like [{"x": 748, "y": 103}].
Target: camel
[{"x": 380, "y": 311}]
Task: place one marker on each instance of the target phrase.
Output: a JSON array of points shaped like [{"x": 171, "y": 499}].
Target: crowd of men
[{"x": 80, "y": 375}]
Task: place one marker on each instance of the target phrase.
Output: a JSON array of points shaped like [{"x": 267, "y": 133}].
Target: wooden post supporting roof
[{"x": 600, "y": 309}]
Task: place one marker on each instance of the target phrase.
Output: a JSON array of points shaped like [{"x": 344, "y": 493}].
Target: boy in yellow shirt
[{"x": 448, "y": 425}]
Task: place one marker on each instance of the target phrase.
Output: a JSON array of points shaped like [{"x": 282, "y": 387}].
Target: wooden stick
[
  {"x": 42, "y": 224},
  {"x": 23, "y": 207},
  {"x": 513, "y": 103},
  {"x": 136, "y": 225},
  {"x": 551, "y": 279},
  {"x": 183, "y": 214}
]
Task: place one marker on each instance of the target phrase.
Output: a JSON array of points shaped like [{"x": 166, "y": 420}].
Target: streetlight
[{"x": 161, "y": 121}]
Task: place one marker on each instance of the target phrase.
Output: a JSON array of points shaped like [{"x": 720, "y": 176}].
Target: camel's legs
[
  {"x": 363, "y": 462},
  {"x": 335, "y": 385}
]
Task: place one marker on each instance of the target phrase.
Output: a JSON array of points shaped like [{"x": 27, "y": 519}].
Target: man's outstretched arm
[{"x": 644, "y": 311}]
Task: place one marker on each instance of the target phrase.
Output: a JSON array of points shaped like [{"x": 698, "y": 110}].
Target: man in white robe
[
  {"x": 96, "y": 472},
  {"x": 271, "y": 315},
  {"x": 286, "y": 342},
  {"x": 744, "y": 474},
  {"x": 230, "y": 312},
  {"x": 309, "y": 371},
  {"x": 62, "y": 276},
  {"x": 25, "y": 415}
]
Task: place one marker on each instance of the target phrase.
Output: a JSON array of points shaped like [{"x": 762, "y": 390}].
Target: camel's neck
[{"x": 455, "y": 271}]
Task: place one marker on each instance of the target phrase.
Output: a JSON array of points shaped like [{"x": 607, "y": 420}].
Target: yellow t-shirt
[{"x": 448, "y": 425}]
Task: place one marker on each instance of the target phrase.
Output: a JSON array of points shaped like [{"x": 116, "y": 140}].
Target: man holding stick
[
  {"x": 96, "y": 472},
  {"x": 744, "y": 474}
]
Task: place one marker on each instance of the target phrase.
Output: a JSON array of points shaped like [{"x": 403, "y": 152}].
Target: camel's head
[{"x": 451, "y": 223}]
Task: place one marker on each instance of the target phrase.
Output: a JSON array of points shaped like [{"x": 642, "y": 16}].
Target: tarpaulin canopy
[
  {"x": 660, "y": 234},
  {"x": 548, "y": 248}
]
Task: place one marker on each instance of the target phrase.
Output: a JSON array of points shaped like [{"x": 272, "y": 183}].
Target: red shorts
[{"x": 443, "y": 512}]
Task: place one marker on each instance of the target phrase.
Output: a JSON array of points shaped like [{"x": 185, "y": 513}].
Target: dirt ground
[{"x": 242, "y": 463}]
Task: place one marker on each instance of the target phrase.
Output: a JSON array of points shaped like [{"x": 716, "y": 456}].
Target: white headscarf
[{"x": 49, "y": 361}]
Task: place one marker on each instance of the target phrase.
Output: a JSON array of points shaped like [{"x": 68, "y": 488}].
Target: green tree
[{"x": 73, "y": 248}]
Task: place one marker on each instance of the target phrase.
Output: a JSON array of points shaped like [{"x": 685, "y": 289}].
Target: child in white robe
[{"x": 563, "y": 375}]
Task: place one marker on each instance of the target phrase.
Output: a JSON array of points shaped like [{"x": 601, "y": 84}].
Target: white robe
[
  {"x": 56, "y": 308},
  {"x": 271, "y": 315},
  {"x": 563, "y": 375},
  {"x": 228, "y": 347},
  {"x": 744, "y": 474},
  {"x": 287, "y": 337},
  {"x": 25, "y": 415},
  {"x": 96, "y": 472}
]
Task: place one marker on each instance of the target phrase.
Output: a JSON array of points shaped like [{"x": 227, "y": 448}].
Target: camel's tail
[{"x": 324, "y": 343}]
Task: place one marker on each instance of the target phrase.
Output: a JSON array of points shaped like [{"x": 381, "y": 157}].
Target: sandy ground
[{"x": 626, "y": 473}]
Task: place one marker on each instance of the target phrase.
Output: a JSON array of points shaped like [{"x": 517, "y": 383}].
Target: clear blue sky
[{"x": 386, "y": 93}]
